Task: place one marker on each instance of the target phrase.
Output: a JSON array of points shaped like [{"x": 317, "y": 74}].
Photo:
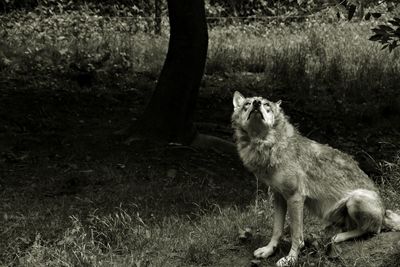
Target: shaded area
[
  {"x": 61, "y": 158},
  {"x": 169, "y": 113}
]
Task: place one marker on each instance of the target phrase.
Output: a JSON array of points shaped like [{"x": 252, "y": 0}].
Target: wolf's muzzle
[{"x": 256, "y": 109}]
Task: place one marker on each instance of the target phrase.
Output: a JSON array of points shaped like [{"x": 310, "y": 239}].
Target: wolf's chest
[
  {"x": 256, "y": 159},
  {"x": 278, "y": 181}
]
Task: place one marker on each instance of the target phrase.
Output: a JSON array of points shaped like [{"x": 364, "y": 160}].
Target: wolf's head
[{"x": 255, "y": 115}]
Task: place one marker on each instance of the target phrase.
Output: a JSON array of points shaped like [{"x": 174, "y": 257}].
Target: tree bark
[
  {"x": 169, "y": 114},
  {"x": 157, "y": 18}
]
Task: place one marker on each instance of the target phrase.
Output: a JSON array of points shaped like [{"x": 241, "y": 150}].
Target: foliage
[
  {"x": 107, "y": 7},
  {"x": 388, "y": 36},
  {"x": 235, "y": 8},
  {"x": 320, "y": 54},
  {"x": 74, "y": 42}
]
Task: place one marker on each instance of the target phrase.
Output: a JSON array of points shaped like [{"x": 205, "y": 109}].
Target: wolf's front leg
[
  {"x": 295, "y": 208},
  {"x": 279, "y": 219}
]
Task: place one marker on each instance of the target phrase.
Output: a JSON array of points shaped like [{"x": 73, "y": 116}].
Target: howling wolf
[{"x": 301, "y": 172}]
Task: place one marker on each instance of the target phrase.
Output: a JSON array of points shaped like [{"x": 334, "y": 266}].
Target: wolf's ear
[
  {"x": 278, "y": 103},
  {"x": 238, "y": 99}
]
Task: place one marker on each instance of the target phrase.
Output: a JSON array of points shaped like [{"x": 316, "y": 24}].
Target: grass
[
  {"x": 335, "y": 62},
  {"x": 121, "y": 239},
  {"x": 73, "y": 195},
  {"x": 390, "y": 180},
  {"x": 313, "y": 52},
  {"x": 208, "y": 235},
  {"x": 329, "y": 61},
  {"x": 124, "y": 211}
]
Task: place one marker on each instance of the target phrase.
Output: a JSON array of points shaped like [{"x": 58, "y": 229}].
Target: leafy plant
[{"x": 388, "y": 36}]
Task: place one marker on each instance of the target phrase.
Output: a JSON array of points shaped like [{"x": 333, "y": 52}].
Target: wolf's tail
[{"x": 391, "y": 220}]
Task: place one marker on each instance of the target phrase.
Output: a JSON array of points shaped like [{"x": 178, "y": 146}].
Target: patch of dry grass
[{"x": 390, "y": 182}]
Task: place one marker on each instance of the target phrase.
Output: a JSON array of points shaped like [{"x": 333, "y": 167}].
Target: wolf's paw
[
  {"x": 286, "y": 261},
  {"x": 392, "y": 220},
  {"x": 264, "y": 252}
]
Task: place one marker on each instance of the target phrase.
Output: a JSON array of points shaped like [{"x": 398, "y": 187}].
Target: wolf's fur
[{"x": 302, "y": 172}]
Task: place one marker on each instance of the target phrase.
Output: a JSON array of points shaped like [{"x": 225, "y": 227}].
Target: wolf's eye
[{"x": 246, "y": 106}]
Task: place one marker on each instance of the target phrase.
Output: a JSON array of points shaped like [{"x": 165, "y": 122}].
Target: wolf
[{"x": 303, "y": 173}]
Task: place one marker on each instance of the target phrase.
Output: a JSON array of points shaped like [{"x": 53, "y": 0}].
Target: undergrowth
[
  {"x": 309, "y": 55},
  {"x": 123, "y": 239},
  {"x": 316, "y": 59},
  {"x": 390, "y": 182}
]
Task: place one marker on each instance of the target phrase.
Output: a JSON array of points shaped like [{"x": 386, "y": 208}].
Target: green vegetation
[
  {"x": 121, "y": 239},
  {"x": 315, "y": 58},
  {"x": 388, "y": 36},
  {"x": 143, "y": 213}
]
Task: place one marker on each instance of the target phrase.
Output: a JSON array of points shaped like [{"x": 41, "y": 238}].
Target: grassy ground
[
  {"x": 71, "y": 194},
  {"x": 319, "y": 60}
]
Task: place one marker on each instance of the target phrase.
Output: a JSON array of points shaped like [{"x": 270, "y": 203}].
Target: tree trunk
[
  {"x": 169, "y": 114},
  {"x": 157, "y": 18}
]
